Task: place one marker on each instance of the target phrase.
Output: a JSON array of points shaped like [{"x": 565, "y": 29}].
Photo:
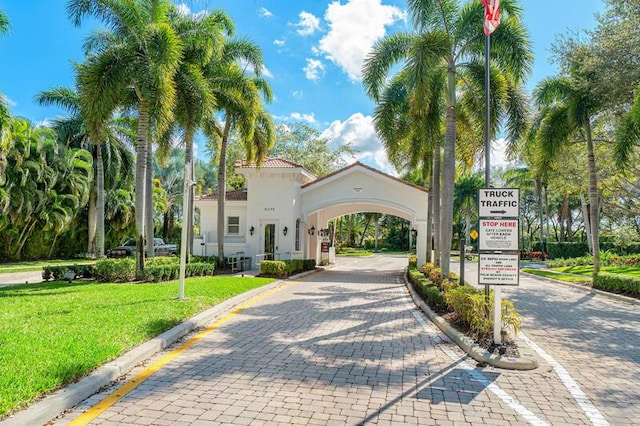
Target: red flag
[{"x": 491, "y": 15}]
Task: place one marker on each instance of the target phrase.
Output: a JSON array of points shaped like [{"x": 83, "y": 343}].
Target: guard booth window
[
  {"x": 233, "y": 225},
  {"x": 298, "y": 235}
]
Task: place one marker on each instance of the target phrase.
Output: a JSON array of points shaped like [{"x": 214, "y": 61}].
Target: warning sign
[
  {"x": 499, "y": 234},
  {"x": 498, "y": 269}
]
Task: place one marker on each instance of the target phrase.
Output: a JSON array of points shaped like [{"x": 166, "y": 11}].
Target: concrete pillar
[{"x": 421, "y": 242}]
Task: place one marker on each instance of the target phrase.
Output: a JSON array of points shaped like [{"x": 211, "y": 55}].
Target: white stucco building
[{"x": 284, "y": 208}]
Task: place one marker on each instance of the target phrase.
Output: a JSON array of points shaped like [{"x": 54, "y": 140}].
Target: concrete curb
[
  {"x": 53, "y": 405},
  {"x": 589, "y": 289},
  {"x": 525, "y": 362}
]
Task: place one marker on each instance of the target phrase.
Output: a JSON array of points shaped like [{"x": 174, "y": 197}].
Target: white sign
[
  {"x": 498, "y": 269},
  {"x": 498, "y": 234},
  {"x": 499, "y": 202}
]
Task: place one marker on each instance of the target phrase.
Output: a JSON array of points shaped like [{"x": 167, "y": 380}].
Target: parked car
[{"x": 128, "y": 248}]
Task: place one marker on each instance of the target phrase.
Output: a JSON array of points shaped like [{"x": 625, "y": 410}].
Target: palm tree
[
  {"x": 465, "y": 201},
  {"x": 448, "y": 45},
  {"x": 628, "y": 132},
  {"x": 567, "y": 107},
  {"x": 4, "y": 23},
  {"x": 239, "y": 97},
  {"x": 130, "y": 64},
  {"x": 72, "y": 131},
  {"x": 204, "y": 40}
]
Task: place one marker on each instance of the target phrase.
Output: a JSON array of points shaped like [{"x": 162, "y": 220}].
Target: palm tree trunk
[
  {"x": 99, "y": 202},
  {"x": 436, "y": 206},
  {"x": 448, "y": 177},
  {"x": 587, "y": 222},
  {"x": 92, "y": 220},
  {"x": 540, "y": 212},
  {"x": 593, "y": 199},
  {"x": 429, "y": 228},
  {"x": 148, "y": 211},
  {"x": 222, "y": 185},
  {"x": 141, "y": 173}
]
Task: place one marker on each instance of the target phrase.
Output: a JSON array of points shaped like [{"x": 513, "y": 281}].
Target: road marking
[
  {"x": 581, "y": 398},
  {"x": 477, "y": 375},
  {"x": 139, "y": 378}
]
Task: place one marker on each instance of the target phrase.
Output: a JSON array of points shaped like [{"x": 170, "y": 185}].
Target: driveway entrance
[{"x": 342, "y": 346}]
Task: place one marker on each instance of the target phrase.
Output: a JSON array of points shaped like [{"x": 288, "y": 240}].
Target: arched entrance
[{"x": 359, "y": 188}]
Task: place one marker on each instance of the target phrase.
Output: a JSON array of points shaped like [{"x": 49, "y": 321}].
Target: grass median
[
  {"x": 51, "y": 334},
  {"x": 37, "y": 265}
]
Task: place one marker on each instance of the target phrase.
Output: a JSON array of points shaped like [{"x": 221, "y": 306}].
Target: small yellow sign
[{"x": 473, "y": 234}]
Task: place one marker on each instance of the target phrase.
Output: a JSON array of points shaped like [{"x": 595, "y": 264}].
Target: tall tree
[
  {"x": 132, "y": 64},
  {"x": 239, "y": 95},
  {"x": 302, "y": 144},
  {"x": 72, "y": 131},
  {"x": 448, "y": 44},
  {"x": 568, "y": 105}
]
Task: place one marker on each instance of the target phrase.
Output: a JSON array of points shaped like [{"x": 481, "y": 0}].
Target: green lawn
[
  {"x": 37, "y": 265},
  {"x": 53, "y": 333},
  {"x": 588, "y": 270},
  {"x": 353, "y": 252},
  {"x": 581, "y": 273},
  {"x": 557, "y": 275}
]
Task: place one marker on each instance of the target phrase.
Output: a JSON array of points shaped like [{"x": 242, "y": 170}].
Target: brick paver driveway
[
  {"x": 595, "y": 339},
  {"x": 344, "y": 346}
]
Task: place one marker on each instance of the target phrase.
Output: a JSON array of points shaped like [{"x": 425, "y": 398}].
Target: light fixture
[
  {"x": 251, "y": 230},
  {"x": 285, "y": 230},
  {"x": 414, "y": 232},
  {"x": 311, "y": 230}
]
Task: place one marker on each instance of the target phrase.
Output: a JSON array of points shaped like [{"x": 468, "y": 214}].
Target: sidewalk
[{"x": 11, "y": 278}]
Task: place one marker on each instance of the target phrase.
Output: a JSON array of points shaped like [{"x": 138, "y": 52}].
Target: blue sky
[{"x": 313, "y": 52}]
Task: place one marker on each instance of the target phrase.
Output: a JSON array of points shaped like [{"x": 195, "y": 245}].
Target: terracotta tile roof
[
  {"x": 269, "y": 163},
  {"x": 356, "y": 164},
  {"x": 235, "y": 195}
]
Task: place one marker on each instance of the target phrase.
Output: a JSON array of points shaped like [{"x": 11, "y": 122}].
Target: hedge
[
  {"x": 116, "y": 270},
  {"x": 467, "y": 302},
  {"x": 284, "y": 268},
  {"x": 156, "y": 273},
  {"x": 617, "y": 283},
  {"x": 57, "y": 272}
]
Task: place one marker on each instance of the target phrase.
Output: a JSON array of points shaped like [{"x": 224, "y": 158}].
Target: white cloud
[
  {"x": 308, "y": 24},
  {"x": 185, "y": 10},
  {"x": 279, "y": 42},
  {"x": 359, "y": 132},
  {"x": 310, "y": 118},
  {"x": 249, "y": 67},
  {"x": 297, "y": 116},
  {"x": 263, "y": 12},
  {"x": 297, "y": 94},
  {"x": 10, "y": 101},
  {"x": 353, "y": 29},
  {"x": 313, "y": 69}
]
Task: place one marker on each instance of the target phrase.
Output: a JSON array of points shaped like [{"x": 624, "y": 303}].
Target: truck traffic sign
[{"x": 498, "y": 202}]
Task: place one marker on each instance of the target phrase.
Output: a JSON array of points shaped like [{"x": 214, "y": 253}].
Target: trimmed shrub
[
  {"x": 276, "y": 268},
  {"x": 309, "y": 264},
  {"x": 617, "y": 283},
  {"x": 57, "y": 272},
  {"x": 566, "y": 250},
  {"x": 413, "y": 261},
  {"x": 115, "y": 270}
]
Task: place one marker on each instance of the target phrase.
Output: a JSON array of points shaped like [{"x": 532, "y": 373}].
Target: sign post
[{"x": 499, "y": 257}]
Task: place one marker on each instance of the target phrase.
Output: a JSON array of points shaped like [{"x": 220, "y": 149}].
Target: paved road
[
  {"x": 595, "y": 339},
  {"x": 20, "y": 278},
  {"x": 346, "y": 346}
]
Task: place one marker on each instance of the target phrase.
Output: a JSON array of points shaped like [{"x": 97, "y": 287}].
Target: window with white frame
[
  {"x": 233, "y": 225},
  {"x": 297, "y": 234}
]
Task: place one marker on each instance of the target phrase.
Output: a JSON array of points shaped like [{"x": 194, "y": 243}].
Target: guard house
[{"x": 284, "y": 211}]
